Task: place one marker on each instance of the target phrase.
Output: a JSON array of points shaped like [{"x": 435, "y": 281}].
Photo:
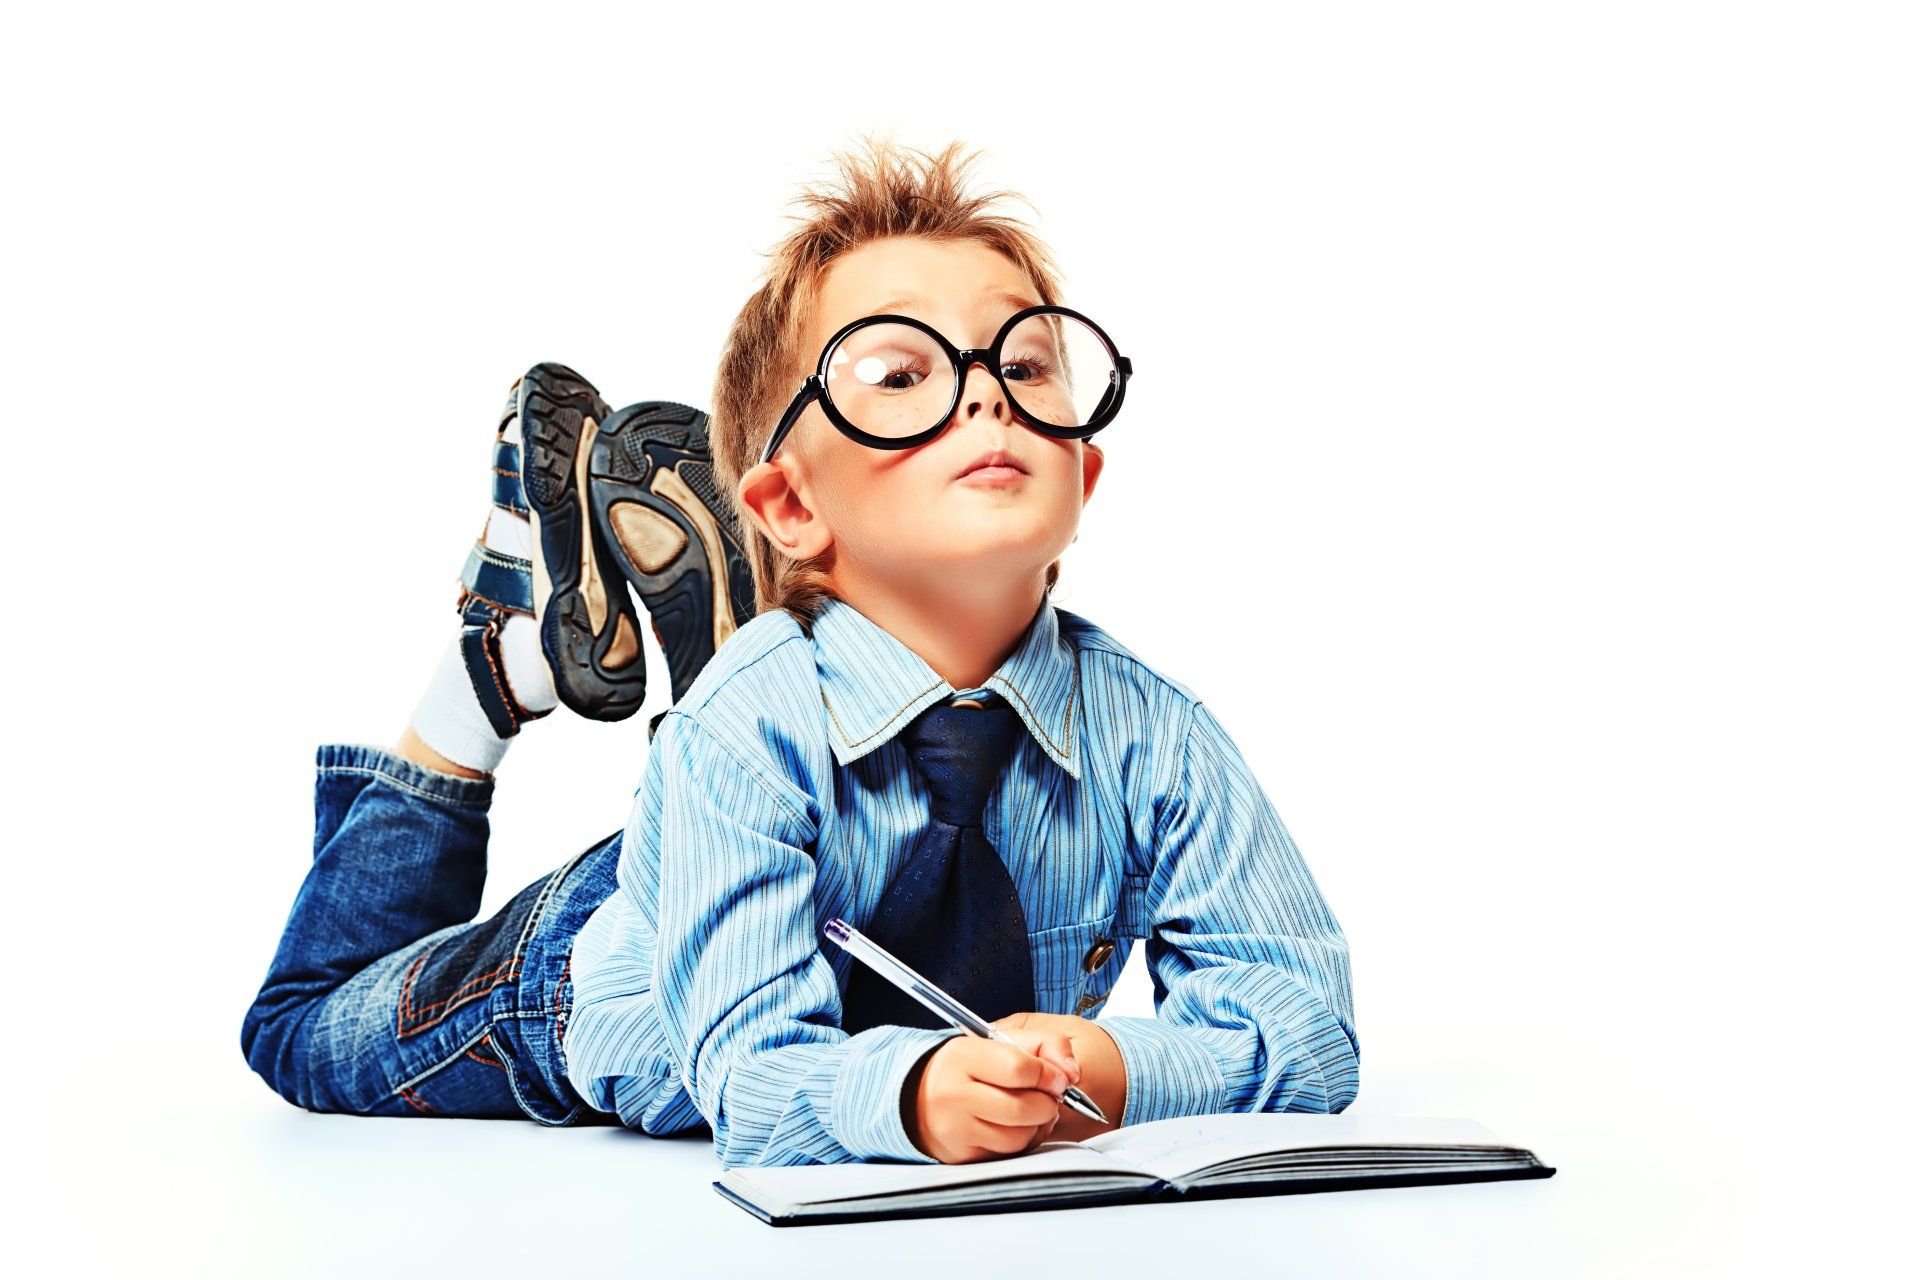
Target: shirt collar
[{"x": 874, "y": 685}]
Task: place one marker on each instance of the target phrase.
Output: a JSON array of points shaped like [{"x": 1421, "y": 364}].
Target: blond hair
[{"x": 887, "y": 190}]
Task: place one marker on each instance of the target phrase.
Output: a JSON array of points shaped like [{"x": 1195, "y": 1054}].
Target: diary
[{"x": 1187, "y": 1158}]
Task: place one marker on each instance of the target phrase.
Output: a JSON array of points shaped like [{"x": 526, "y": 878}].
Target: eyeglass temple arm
[{"x": 791, "y": 416}]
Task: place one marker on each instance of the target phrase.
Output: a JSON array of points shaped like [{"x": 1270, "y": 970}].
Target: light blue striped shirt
[{"x": 777, "y": 797}]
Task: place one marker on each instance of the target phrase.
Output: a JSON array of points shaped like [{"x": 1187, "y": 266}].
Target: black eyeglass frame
[{"x": 815, "y": 387}]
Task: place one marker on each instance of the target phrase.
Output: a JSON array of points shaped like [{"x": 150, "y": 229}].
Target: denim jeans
[{"x": 386, "y": 997}]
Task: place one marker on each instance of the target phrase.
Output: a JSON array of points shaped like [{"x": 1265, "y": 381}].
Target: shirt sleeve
[
  {"x": 749, "y": 1006},
  {"x": 1252, "y": 988}
]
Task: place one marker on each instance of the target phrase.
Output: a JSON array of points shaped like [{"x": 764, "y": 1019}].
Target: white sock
[{"x": 449, "y": 719}]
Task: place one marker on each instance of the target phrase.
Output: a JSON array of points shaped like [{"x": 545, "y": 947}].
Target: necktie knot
[{"x": 960, "y": 751}]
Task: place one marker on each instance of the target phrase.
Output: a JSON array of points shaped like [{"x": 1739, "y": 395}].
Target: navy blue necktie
[{"x": 952, "y": 912}]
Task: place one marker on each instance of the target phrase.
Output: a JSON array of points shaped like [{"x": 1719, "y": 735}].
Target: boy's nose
[{"x": 982, "y": 393}]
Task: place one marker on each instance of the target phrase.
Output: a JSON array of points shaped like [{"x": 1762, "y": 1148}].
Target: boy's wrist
[
  {"x": 910, "y": 1100},
  {"x": 1111, "y": 1075},
  {"x": 866, "y": 1119}
]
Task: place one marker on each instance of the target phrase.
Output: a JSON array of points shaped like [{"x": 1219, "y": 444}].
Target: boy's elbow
[
  {"x": 1344, "y": 1091},
  {"x": 1344, "y": 1084},
  {"x": 758, "y": 1146},
  {"x": 1343, "y": 1073},
  {"x": 1325, "y": 1080}
]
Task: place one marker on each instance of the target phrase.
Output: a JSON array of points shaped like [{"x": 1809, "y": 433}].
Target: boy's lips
[{"x": 996, "y": 458}]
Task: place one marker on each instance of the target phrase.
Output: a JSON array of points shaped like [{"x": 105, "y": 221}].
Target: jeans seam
[
  {"x": 539, "y": 909},
  {"x": 559, "y": 1012},
  {"x": 384, "y": 775},
  {"x": 515, "y": 973},
  {"x": 412, "y": 1021},
  {"x": 497, "y": 1060},
  {"x": 400, "y": 1090},
  {"x": 409, "y": 1020},
  {"x": 520, "y": 1099}
]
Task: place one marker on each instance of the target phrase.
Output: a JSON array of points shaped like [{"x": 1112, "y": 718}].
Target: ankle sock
[{"x": 448, "y": 717}]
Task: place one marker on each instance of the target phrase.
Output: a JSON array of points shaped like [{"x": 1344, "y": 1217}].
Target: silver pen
[{"x": 888, "y": 966}]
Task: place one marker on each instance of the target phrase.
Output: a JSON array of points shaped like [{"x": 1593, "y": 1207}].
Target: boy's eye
[
  {"x": 1030, "y": 369},
  {"x": 888, "y": 374}
]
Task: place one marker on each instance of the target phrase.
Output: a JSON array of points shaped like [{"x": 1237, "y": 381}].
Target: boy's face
[{"x": 906, "y": 517}]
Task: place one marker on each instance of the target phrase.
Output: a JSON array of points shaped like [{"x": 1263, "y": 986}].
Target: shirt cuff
[
  {"x": 1173, "y": 1070},
  {"x": 866, "y": 1105}
]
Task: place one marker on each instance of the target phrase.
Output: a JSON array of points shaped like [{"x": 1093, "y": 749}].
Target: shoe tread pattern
[
  {"x": 554, "y": 405},
  {"x": 640, "y": 441}
]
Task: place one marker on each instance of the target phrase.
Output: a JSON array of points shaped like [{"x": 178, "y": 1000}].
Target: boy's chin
[{"x": 1007, "y": 557}]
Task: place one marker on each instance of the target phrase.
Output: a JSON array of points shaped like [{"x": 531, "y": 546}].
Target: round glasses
[{"x": 893, "y": 382}]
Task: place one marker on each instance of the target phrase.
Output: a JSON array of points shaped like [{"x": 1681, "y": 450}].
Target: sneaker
[
  {"x": 589, "y": 629},
  {"x": 659, "y": 513}
]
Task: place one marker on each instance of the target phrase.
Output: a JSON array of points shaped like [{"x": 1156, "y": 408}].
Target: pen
[{"x": 888, "y": 966}]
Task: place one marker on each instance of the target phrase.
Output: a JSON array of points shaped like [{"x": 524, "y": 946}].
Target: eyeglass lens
[{"x": 891, "y": 379}]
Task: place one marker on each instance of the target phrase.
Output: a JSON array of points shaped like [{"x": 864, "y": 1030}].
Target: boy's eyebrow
[{"x": 1019, "y": 302}]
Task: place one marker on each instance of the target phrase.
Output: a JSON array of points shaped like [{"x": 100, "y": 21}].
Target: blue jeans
[{"x": 386, "y": 997}]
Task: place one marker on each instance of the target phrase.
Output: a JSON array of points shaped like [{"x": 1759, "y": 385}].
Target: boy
[{"x": 909, "y": 735}]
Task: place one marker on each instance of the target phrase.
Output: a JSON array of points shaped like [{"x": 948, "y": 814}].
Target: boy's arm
[
  {"x": 1251, "y": 981},
  {"x": 747, "y": 1002}
]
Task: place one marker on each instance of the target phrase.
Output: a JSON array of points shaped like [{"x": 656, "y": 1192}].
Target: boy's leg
[
  {"x": 380, "y": 968},
  {"x": 399, "y": 856},
  {"x": 385, "y": 998}
]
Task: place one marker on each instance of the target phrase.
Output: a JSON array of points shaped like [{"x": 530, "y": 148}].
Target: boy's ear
[
  {"x": 1091, "y": 462},
  {"x": 772, "y": 500}
]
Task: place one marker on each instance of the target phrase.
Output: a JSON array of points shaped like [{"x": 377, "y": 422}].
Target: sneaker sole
[
  {"x": 658, "y": 510},
  {"x": 589, "y": 630}
]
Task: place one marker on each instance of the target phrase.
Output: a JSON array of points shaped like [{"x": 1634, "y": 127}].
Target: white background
[{"x": 1519, "y": 462}]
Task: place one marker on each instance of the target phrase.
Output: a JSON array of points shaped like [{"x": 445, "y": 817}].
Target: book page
[
  {"x": 1177, "y": 1149},
  {"x": 779, "y": 1189}
]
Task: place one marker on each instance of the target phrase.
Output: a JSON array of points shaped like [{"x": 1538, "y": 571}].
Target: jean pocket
[
  {"x": 469, "y": 963},
  {"x": 476, "y": 1084}
]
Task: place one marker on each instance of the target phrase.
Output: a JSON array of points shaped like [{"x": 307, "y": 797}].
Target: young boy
[{"x": 909, "y": 735}]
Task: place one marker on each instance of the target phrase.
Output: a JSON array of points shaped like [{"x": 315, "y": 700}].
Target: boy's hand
[
  {"x": 1103, "y": 1074},
  {"x": 975, "y": 1099}
]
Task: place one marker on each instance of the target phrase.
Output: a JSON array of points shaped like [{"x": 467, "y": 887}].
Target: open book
[{"x": 1191, "y": 1157}]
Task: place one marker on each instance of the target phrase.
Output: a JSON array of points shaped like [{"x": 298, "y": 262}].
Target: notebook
[{"x": 1188, "y": 1158}]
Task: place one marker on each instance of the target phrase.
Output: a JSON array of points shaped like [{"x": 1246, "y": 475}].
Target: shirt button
[{"x": 1098, "y": 954}]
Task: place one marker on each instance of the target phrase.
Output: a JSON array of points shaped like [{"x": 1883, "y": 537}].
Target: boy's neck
[{"x": 964, "y": 637}]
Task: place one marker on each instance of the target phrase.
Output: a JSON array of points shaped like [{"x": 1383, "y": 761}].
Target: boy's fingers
[
  {"x": 1044, "y": 1037},
  {"x": 1058, "y": 1048},
  {"x": 1011, "y": 1068},
  {"x": 999, "y": 1138},
  {"x": 1013, "y": 1106}
]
